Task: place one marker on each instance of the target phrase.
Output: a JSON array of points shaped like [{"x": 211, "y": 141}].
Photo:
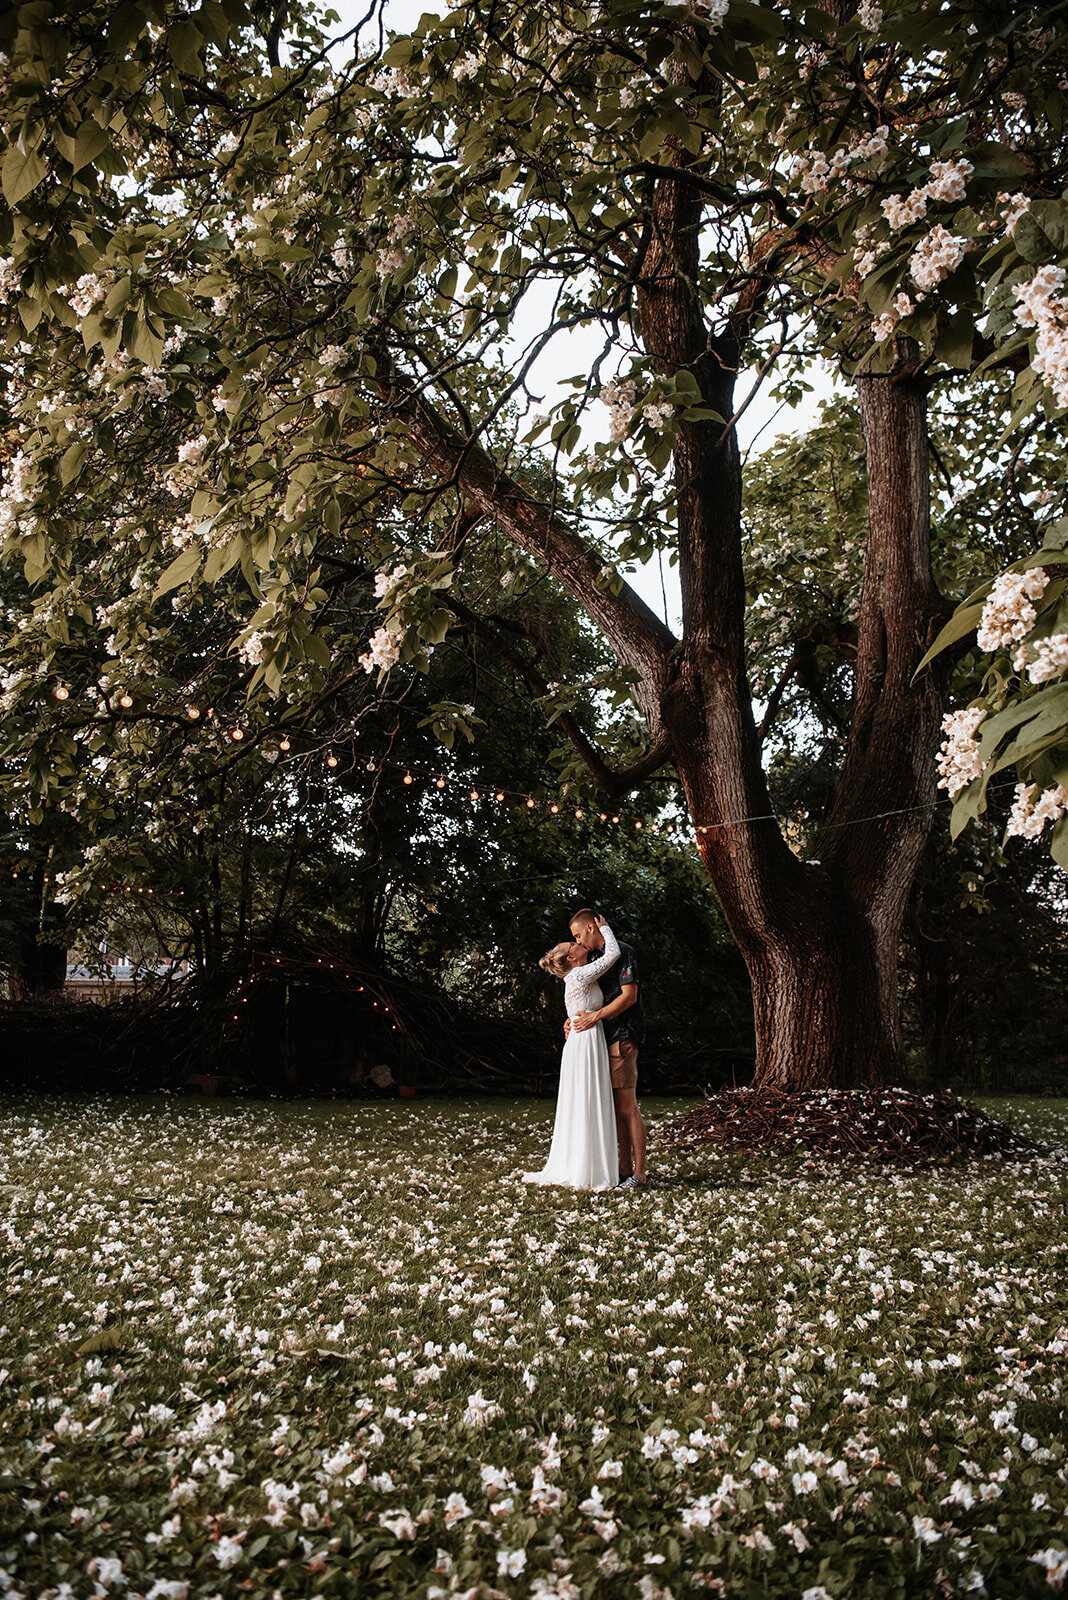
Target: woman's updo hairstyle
[{"x": 555, "y": 961}]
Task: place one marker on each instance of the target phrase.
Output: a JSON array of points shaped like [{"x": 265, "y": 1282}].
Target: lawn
[{"x": 278, "y": 1349}]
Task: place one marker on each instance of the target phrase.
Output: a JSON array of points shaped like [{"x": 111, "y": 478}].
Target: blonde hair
[{"x": 553, "y": 961}]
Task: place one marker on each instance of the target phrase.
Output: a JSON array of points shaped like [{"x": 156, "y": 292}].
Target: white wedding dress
[{"x": 583, "y": 1154}]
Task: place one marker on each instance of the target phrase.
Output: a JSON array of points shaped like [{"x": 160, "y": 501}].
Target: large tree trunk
[{"x": 820, "y": 938}]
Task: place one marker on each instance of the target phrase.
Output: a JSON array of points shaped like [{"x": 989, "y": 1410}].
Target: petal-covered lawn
[{"x": 341, "y": 1349}]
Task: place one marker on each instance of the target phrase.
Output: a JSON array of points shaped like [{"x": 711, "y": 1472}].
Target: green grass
[{"x": 341, "y": 1349}]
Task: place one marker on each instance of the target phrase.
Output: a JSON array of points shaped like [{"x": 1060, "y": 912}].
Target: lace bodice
[{"x": 582, "y": 992}]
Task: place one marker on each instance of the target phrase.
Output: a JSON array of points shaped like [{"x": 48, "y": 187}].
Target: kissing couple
[{"x": 599, "y": 1135}]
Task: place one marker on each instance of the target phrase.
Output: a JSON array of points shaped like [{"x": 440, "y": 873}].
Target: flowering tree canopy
[{"x": 312, "y": 299}]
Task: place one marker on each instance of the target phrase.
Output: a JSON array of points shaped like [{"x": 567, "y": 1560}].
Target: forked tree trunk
[{"x": 820, "y": 938}]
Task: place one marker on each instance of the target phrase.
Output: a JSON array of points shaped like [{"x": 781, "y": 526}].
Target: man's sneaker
[{"x": 634, "y": 1183}]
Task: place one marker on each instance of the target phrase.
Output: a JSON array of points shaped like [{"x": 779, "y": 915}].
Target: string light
[
  {"x": 408, "y": 777},
  {"x": 284, "y": 744},
  {"x": 499, "y": 795},
  {"x": 331, "y": 761},
  {"x": 440, "y": 783},
  {"x": 530, "y": 805},
  {"x": 60, "y": 692},
  {"x": 554, "y": 809},
  {"x": 192, "y": 712},
  {"x": 474, "y": 794},
  {"x": 237, "y": 734},
  {"x": 579, "y": 815}
]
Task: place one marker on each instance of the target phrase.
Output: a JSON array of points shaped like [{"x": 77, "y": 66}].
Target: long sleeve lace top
[{"x": 582, "y": 992}]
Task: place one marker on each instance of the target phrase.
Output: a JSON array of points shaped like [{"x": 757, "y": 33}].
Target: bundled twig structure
[{"x": 891, "y": 1124}]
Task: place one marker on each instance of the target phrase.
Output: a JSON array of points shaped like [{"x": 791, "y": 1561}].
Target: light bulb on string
[
  {"x": 499, "y": 795},
  {"x": 530, "y": 805},
  {"x": 61, "y": 692},
  {"x": 579, "y": 815},
  {"x": 474, "y": 794},
  {"x": 440, "y": 782},
  {"x": 408, "y": 778},
  {"x": 554, "y": 809},
  {"x": 284, "y": 744},
  {"x": 615, "y": 819},
  {"x": 331, "y": 761},
  {"x": 192, "y": 712},
  {"x": 638, "y": 823},
  {"x": 237, "y": 734},
  {"x": 126, "y": 700}
]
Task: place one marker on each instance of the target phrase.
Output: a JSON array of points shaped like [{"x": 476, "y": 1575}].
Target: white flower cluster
[
  {"x": 385, "y": 581},
  {"x": 1033, "y": 808},
  {"x": 331, "y": 355},
  {"x": 814, "y": 173},
  {"x": 15, "y": 493},
  {"x": 959, "y": 761},
  {"x": 870, "y": 16},
  {"x": 900, "y": 306},
  {"x": 1043, "y": 308},
  {"x": 391, "y": 259},
  {"x": 1013, "y": 207},
  {"x": 1051, "y": 658},
  {"x": 384, "y": 651},
  {"x": 715, "y": 11},
  {"x": 1008, "y": 613},
  {"x": 465, "y": 67},
  {"x": 947, "y": 182},
  {"x": 9, "y": 278},
  {"x": 254, "y": 649},
  {"x": 935, "y": 257},
  {"x": 86, "y": 293},
  {"x": 191, "y": 453},
  {"x": 625, "y": 409}
]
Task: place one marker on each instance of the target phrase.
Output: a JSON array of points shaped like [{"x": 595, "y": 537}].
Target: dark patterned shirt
[{"x": 629, "y": 1024}]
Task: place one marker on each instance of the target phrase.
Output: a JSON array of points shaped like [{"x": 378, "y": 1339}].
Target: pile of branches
[{"x": 889, "y": 1124}]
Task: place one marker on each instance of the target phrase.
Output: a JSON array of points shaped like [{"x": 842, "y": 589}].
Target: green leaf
[
  {"x": 184, "y": 566},
  {"x": 435, "y": 627},
  {"x": 90, "y": 142},
  {"x": 1031, "y": 242},
  {"x": 118, "y": 1337},
  {"x": 964, "y": 620},
  {"x": 71, "y": 464},
  {"x": 221, "y": 559},
  {"x": 184, "y": 41},
  {"x": 21, "y": 172}
]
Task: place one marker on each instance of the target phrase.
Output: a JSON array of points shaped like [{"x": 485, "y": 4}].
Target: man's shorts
[{"x": 623, "y": 1062}]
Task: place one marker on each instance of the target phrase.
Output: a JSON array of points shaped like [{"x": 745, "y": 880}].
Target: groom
[{"x": 624, "y": 1030}]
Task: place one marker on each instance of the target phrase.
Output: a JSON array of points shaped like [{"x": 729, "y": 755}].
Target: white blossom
[
  {"x": 1042, "y": 308},
  {"x": 1008, "y": 613},
  {"x": 86, "y": 293},
  {"x": 1013, "y": 207},
  {"x": 1033, "y": 808},
  {"x": 1051, "y": 658},
  {"x": 384, "y": 652},
  {"x": 959, "y": 760},
  {"x": 935, "y": 257},
  {"x": 391, "y": 259},
  {"x": 870, "y": 16}
]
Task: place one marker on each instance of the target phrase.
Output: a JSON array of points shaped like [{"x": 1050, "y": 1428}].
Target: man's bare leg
[
  {"x": 630, "y": 1118},
  {"x": 626, "y": 1151}
]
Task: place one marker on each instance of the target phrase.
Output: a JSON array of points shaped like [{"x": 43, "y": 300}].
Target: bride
[{"x": 583, "y": 1153}]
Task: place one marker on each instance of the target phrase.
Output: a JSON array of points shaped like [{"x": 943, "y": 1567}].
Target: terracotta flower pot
[{"x": 406, "y": 1091}]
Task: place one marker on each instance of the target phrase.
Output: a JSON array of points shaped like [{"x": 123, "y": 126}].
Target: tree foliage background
[{"x": 234, "y": 271}]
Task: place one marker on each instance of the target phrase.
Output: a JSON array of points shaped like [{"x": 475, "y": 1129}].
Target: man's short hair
[{"x": 587, "y": 914}]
